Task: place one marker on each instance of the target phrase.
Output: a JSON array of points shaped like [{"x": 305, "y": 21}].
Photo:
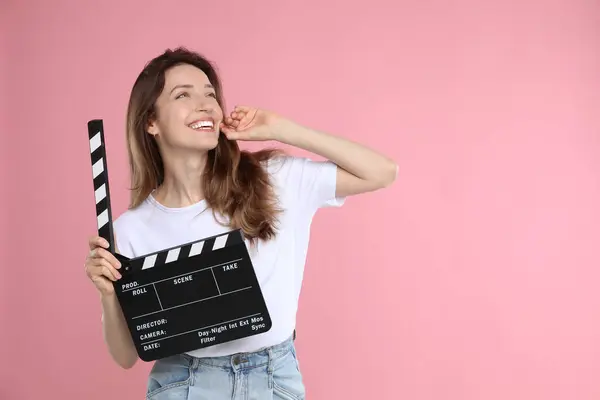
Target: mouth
[{"x": 203, "y": 125}]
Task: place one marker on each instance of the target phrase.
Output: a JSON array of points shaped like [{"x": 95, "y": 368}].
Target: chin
[
  {"x": 201, "y": 142},
  {"x": 205, "y": 144}
]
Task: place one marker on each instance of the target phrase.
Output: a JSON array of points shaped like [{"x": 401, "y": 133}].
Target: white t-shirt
[{"x": 302, "y": 186}]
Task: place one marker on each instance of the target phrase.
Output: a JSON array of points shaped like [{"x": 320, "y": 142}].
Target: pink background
[{"x": 474, "y": 277}]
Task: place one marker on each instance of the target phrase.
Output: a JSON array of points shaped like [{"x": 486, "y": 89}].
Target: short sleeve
[
  {"x": 311, "y": 183},
  {"x": 122, "y": 236}
]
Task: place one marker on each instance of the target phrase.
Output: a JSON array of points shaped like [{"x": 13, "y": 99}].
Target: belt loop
[
  {"x": 270, "y": 367},
  {"x": 193, "y": 367}
]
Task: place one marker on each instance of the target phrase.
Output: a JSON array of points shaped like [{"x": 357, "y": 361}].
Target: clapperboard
[{"x": 188, "y": 297}]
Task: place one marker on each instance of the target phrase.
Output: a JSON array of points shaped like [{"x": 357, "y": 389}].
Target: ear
[{"x": 152, "y": 128}]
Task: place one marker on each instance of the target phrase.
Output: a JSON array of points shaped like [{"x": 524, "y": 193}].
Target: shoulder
[
  {"x": 306, "y": 180},
  {"x": 288, "y": 166},
  {"x": 125, "y": 226},
  {"x": 124, "y": 222},
  {"x": 285, "y": 170}
]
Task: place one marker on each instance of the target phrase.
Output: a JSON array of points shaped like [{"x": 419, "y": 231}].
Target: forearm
[
  {"x": 116, "y": 333},
  {"x": 355, "y": 158}
]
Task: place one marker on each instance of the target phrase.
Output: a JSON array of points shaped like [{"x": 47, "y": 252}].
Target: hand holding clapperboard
[{"x": 184, "y": 298}]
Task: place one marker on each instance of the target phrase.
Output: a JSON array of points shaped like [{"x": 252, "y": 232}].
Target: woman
[{"x": 184, "y": 161}]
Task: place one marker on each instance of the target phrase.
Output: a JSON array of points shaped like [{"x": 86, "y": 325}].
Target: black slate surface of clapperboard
[{"x": 192, "y": 296}]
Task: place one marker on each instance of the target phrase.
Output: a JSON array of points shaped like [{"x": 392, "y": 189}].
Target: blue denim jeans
[{"x": 271, "y": 373}]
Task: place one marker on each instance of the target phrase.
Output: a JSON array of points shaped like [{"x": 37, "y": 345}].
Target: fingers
[
  {"x": 241, "y": 117},
  {"x": 100, "y": 253},
  {"x": 101, "y": 262},
  {"x": 242, "y": 109},
  {"x": 240, "y": 112},
  {"x": 110, "y": 272},
  {"x": 101, "y": 266},
  {"x": 225, "y": 128},
  {"x": 229, "y": 132},
  {"x": 97, "y": 267},
  {"x": 247, "y": 118},
  {"x": 238, "y": 122},
  {"x": 97, "y": 247},
  {"x": 97, "y": 241},
  {"x": 230, "y": 122}
]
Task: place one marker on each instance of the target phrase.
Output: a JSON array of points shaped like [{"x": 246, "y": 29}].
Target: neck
[{"x": 182, "y": 185}]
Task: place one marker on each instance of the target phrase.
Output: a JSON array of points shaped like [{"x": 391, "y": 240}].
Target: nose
[
  {"x": 203, "y": 105},
  {"x": 203, "y": 108}
]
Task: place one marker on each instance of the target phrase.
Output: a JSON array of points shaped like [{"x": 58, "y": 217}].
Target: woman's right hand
[{"x": 101, "y": 266}]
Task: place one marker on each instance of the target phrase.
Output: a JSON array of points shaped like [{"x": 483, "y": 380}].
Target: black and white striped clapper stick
[
  {"x": 186, "y": 297},
  {"x": 100, "y": 176}
]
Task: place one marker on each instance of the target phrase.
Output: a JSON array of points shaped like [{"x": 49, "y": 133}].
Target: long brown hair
[{"x": 234, "y": 182}]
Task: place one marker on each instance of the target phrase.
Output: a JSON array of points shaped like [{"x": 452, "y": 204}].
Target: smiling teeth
[{"x": 202, "y": 124}]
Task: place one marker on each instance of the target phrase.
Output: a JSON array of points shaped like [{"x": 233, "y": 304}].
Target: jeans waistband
[{"x": 238, "y": 361}]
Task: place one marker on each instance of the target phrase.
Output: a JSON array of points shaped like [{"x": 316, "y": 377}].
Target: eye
[
  {"x": 181, "y": 94},
  {"x": 213, "y": 95}
]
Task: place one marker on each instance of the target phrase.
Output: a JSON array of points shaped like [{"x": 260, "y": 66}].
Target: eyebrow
[{"x": 207, "y": 86}]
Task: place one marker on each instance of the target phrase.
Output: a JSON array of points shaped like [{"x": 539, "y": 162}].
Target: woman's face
[{"x": 188, "y": 115}]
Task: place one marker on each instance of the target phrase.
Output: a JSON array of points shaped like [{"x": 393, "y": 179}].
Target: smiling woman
[
  {"x": 184, "y": 160},
  {"x": 168, "y": 154}
]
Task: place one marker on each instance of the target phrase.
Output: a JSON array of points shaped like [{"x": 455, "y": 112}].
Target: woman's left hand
[{"x": 249, "y": 123}]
